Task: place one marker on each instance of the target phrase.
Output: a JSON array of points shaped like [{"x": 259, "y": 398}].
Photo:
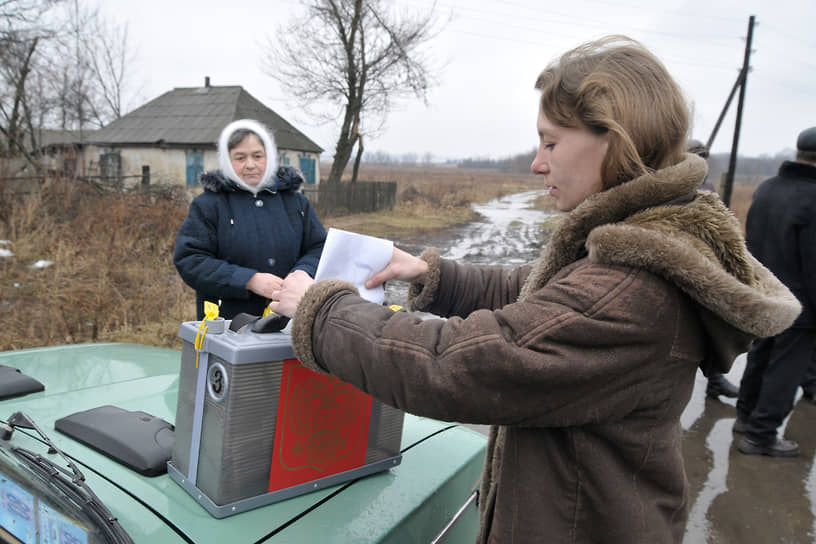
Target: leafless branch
[{"x": 348, "y": 60}]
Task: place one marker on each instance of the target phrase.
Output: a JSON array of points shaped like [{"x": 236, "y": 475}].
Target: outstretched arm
[{"x": 403, "y": 266}]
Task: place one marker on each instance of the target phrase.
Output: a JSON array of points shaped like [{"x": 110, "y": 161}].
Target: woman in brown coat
[{"x": 583, "y": 361}]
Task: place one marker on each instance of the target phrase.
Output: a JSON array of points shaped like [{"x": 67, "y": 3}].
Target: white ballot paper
[{"x": 355, "y": 258}]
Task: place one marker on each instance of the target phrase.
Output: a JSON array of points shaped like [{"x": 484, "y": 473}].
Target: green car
[{"x": 61, "y": 487}]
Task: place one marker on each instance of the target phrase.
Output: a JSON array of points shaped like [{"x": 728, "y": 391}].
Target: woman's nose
[{"x": 539, "y": 165}]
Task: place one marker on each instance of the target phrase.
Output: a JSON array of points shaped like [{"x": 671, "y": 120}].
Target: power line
[
  {"x": 567, "y": 19},
  {"x": 516, "y": 38},
  {"x": 785, "y": 34},
  {"x": 650, "y": 8}
]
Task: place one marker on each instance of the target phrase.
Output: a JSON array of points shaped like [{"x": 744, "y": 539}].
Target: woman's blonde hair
[{"x": 615, "y": 86}]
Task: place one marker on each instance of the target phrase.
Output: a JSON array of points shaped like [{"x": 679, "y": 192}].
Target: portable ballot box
[{"x": 254, "y": 426}]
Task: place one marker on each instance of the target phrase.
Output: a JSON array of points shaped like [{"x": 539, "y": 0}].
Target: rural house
[
  {"x": 172, "y": 139},
  {"x": 63, "y": 150}
]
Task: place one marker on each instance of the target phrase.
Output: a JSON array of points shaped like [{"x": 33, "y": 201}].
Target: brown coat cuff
[
  {"x": 421, "y": 295},
  {"x": 303, "y": 320}
]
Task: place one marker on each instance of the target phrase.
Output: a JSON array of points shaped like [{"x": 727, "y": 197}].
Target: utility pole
[{"x": 743, "y": 79}]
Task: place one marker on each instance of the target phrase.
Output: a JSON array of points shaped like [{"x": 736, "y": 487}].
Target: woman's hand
[
  {"x": 264, "y": 284},
  {"x": 403, "y": 266},
  {"x": 285, "y": 300}
]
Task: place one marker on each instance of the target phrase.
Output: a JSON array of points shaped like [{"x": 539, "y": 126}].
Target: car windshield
[
  {"x": 43, "y": 502},
  {"x": 31, "y": 513}
]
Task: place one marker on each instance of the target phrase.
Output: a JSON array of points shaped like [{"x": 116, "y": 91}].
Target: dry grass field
[
  {"x": 91, "y": 267},
  {"x": 741, "y": 201},
  {"x": 431, "y": 198}
]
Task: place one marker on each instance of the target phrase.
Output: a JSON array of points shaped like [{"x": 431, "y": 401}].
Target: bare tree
[
  {"x": 357, "y": 56},
  {"x": 18, "y": 15},
  {"x": 110, "y": 58},
  {"x": 61, "y": 66},
  {"x": 21, "y": 33},
  {"x": 16, "y": 67}
]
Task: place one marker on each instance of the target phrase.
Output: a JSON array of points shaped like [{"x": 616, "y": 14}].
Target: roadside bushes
[{"x": 84, "y": 266}]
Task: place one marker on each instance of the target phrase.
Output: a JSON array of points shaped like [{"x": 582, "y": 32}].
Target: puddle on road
[{"x": 509, "y": 234}]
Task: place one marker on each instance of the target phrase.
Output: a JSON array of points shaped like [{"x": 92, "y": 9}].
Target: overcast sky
[{"x": 489, "y": 53}]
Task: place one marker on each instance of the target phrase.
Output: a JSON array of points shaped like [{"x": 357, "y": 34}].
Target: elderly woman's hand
[
  {"x": 264, "y": 284},
  {"x": 285, "y": 300}
]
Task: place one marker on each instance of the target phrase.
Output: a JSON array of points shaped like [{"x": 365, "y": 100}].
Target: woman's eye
[{"x": 549, "y": 146}]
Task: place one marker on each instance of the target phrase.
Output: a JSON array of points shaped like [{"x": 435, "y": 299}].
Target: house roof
[
  {"x": 58, "y": 137},
  {"x": 189, "y": 116}
]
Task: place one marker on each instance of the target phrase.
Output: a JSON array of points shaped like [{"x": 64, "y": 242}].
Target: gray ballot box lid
[{"x": 242, "y": 347}]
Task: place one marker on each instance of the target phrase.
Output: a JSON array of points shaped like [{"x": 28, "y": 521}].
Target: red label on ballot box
[{"x": 321, "y": 429}]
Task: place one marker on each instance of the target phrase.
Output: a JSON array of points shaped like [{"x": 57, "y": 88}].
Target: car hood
[{"x": 441, "y": 462}]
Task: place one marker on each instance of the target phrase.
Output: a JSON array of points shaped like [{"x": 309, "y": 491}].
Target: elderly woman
[
  {"x": 250, "y": 228},
  {"x": 583, "y": 361}
]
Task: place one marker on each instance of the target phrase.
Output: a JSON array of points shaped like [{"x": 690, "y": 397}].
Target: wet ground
[{"x": 735, "y": 498}]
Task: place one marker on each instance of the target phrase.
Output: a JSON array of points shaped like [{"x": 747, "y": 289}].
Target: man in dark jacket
[{"x": 781, "y": 233}]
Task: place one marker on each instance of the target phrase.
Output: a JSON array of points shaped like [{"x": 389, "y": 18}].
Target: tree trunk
[
  {"x": 14, "y": 130},
  {"x": 356, "y": 169},
  {"x": 341, "y": 157},
  {"x": 345, "y": 142}
]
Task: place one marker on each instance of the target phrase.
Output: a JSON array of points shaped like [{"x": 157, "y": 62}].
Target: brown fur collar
[
  {"x": 568, "y": 242},
  {"x": 698, "y": 246}
]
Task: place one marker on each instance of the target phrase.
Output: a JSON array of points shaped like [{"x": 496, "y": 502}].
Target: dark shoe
[
  {"x": 718, "y": 385},
  {"x": 740, "y": 426},
  {"x": 778, "y": 448}
]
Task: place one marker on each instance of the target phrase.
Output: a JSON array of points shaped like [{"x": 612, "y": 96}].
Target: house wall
[
  {"x": 169, "y": 166},
  {"x": 64, "y": 159},
  {"x": 287, "y": 157}
]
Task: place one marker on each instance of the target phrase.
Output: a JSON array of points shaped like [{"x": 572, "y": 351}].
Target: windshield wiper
[{"x": 70, "y": 482}]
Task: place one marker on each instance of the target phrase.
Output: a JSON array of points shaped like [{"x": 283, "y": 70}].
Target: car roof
[{"x": 441, "y": 462}]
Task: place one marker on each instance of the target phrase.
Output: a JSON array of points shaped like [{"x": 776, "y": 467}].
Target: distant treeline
[
  {"x": 516, "y": 163},
  {"x": 747, "y": 167},
  {"x": 750, "y": 168}
]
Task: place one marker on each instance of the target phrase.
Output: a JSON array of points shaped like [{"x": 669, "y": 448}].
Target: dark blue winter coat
[
  {"x": 229, "y": 235},
  {"x": 781, "y": 232}
]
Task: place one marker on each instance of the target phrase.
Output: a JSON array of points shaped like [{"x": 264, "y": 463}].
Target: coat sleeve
[
  {"x": 807, "y": 249},
  {"x": 458, "y": 289},
  {"x": 314, "y": 236},
  {"x": 587, "y": 347},
  {"x": 196, "y": 256}
]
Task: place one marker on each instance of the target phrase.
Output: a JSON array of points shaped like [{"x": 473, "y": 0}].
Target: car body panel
[{"x": 441, "y": 462}]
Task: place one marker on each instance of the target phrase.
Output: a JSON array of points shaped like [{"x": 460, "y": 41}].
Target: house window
[
  {"x": 110, "y": 166},
  {"x": 283, "y": 159},
  {"x": 69, "y": 166},
  {"x": 307, "y": 166},
  {"x": 195, "y": 166}
]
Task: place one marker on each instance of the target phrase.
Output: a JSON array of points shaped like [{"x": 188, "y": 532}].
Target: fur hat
[
  {"x": 697, "y": 147},
  {"x": 269, "y": 146}
]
